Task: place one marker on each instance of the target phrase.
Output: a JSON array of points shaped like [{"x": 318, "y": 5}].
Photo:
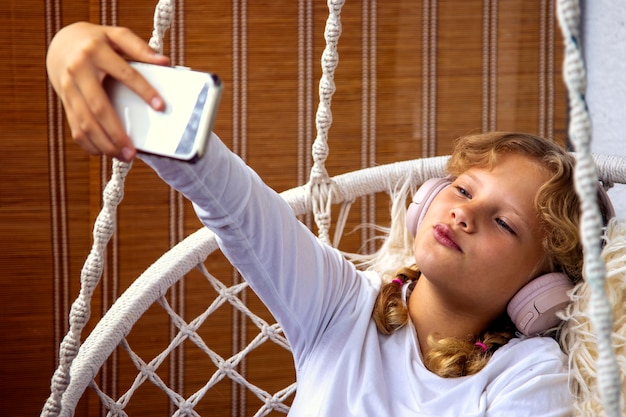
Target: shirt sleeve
[{"x": 303, "y": 282}]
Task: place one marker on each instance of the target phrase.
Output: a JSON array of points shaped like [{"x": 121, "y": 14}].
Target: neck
[{"x": 431, "y": 314}]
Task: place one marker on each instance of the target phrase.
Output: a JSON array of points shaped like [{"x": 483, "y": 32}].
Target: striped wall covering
[{"x": 412, "y": 76}]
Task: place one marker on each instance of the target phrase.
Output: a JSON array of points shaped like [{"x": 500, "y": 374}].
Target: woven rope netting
[{"x": 79, "y": 364}]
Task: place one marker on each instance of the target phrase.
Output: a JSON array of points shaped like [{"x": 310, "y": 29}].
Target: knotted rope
[
  {"x": 90, "y": 276},
  {"x": 104, "y": 228},
  {"x": 163, "y": 14},
  {"x": 591, "y": 220},
  {"x": 320, "y": 185}
]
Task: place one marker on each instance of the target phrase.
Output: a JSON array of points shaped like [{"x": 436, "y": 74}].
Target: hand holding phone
[{"x": 180, "y": 131}]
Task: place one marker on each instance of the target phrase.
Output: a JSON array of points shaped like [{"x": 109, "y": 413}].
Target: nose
[{"x": 463, "y": 217}]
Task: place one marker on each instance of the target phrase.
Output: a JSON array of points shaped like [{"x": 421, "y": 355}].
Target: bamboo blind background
[{"x": 412, "y": 76}]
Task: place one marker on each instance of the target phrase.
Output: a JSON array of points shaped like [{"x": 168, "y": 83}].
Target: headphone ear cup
[
  {"x": 533, "y": 309},
  {"x": 421, "y": 201}
]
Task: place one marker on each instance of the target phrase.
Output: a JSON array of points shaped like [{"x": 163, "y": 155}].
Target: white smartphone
[{"x": 182, "y": 130}]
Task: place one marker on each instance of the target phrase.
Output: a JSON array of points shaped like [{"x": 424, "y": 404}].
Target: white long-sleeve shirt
[{"x": 344, "y": 366}]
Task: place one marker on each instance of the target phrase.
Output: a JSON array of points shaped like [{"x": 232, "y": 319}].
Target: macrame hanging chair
[{"x": 590, "y": 340}]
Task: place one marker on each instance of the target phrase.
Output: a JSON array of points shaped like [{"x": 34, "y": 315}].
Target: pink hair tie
[
  {"x": 482, "y": 346},
  {"x": 397, "y": 281}
]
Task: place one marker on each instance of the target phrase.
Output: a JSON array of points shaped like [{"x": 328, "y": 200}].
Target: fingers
[
  {"x": 134, "y": 48},
  {"x": 95, "y": 125},
  {"x": 79, "y": 58}
]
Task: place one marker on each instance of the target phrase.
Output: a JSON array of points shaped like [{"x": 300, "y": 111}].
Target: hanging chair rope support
[
  {"x": 104, "y": 228},
  {"x": 163, "y": 14},
  {"x": 321, "y": 186},
  {"x": 90, "y": 276},
  {"x": 591, "y": 220}
]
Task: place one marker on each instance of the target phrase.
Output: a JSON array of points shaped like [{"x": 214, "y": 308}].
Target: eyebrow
[{"x": 510, "y": 206}]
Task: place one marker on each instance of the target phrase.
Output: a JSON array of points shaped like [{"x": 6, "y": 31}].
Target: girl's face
[{"x": 480, "y": 240}]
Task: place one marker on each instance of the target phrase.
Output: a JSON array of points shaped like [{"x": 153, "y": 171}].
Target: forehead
[{"x": 514, "y": 166}]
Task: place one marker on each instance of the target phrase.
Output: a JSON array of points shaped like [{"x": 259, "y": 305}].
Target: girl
[{"x": 436, "y": 341}]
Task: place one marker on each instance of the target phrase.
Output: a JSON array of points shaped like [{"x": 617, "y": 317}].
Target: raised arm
[{"x": 307, "y": 285}]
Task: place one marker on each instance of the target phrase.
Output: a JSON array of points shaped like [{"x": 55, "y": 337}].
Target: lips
[{"x": 445, "y": 237}]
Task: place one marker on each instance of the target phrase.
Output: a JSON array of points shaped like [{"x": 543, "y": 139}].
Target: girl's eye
[
  {"x": 463, "y": 191},
  {"x": 505, "y": 226}
]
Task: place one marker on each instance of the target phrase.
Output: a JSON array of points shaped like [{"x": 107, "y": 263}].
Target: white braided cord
[
  {"x": 90, "y": 276},
  {"x": 319, "y": 182},
  {"x": 93, "y": 267},
  {"x": 591, "y": 220},
  {"x": 225, "y": 367},
  {"x": 163, "y": 14}
]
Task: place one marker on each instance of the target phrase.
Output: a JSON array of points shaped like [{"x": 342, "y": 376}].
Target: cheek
[
  {"x": 420, "y": 238},
  {"x": 416, "y": 246},
  {"x": 425, "y": 257},
  {"x": 522, "y": 265}
]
